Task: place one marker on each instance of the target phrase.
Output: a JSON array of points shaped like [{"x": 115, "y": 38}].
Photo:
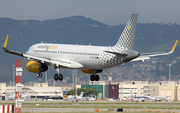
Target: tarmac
[
  {"x": 81, "y": 103},
  {"x": 91, "y": 110}
]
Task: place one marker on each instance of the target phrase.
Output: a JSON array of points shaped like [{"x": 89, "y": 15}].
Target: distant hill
[{"x": 77, "y": 30}]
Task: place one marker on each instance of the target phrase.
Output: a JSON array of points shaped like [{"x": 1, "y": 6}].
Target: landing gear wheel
[
  {"x": 56, "y": 77},
  {"x": 60, "y": 77},
  {"x": 96, "y": 77},
  {"x": 39, "y": 75},
  {"x": 92, "y": 77}
]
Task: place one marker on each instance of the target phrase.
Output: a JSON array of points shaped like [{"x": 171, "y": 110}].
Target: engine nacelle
[
  {"x": 36, "y": 67},
  {"x": 90, "y": 71}
]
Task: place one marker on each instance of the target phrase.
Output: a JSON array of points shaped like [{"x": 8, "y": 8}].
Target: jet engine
[
  {"x": 36, "y": 67},
  {"x": 90, "y": 71}
]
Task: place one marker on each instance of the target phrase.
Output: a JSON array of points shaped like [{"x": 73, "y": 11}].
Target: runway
[
  {"x": 91, "y": 106},
  {"x": 91, "y": 110}
]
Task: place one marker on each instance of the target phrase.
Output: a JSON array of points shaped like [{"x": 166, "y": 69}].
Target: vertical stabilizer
[
  {"x": 132, "y": 93},
  {"x": 126, "y": 39},
  {"x": 149, "y": 94},
  {"x": 81, "y": 94}
]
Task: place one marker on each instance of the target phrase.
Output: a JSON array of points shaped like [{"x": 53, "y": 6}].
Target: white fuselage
[
  {"x": 90, "y": 57},
  {"x": 161, "y": 98}
]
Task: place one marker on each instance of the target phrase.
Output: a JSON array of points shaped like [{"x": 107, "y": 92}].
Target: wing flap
[
  {"x": 58, "y": 62},
  {"x": 52, "y": 61}
]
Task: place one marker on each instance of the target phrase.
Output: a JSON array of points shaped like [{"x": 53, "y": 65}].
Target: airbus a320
[{"x": 89, "y": 59}]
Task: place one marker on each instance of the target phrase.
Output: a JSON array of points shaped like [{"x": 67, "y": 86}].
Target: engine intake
[{"x": 36, "y": 67}]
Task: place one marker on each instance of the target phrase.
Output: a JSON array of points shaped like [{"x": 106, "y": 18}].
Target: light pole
[
  {"x": 171, "y": 64},
  {"x": 13, "y": 74},
  {"x": 75, "y": 82},
  {"x": 170, "y": 71},
  {"x": 46, "y": 77}
]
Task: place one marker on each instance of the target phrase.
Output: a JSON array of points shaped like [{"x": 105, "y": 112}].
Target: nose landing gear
[{"x": 39, "y": 75}]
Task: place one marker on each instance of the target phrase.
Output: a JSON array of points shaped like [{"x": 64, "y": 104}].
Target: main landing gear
[
  {"x": 58, "y": 76},
  {"x": 94, "y": 77}
]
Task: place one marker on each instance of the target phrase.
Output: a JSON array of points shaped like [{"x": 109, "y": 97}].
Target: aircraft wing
[
  {"x": 57, "y": 62},
  {"x": 146, "y": 56}
]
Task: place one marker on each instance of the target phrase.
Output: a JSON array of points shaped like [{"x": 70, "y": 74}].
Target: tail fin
[
  {"x": 81, "y": 94},
  {"x": 149, "y": 94},
  {"x": 126, "y": 39}
]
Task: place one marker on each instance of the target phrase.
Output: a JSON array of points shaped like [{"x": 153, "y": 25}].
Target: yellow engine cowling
[
  {"x": 36, "y": 67},
  {"x": 90, "y": 71}
]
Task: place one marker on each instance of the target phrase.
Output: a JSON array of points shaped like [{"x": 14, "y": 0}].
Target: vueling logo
[
  {"x": 53, "y": 47},
  {"x": 47, "y": 47}
]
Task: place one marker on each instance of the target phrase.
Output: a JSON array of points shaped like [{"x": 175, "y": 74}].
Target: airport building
[
  {"x": 165, "y": 88},
  {"x": 138, "y": 87},
  {"x": 121, "y": 90},
  {"x": 100, "y": 86},
  {"x": 38, "y": 91},
  {"x": 106, "y": 89},
  {"x": 118, "y": 90}
]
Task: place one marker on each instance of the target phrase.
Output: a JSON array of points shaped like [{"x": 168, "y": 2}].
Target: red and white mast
[{"x": 19, "y": 86}]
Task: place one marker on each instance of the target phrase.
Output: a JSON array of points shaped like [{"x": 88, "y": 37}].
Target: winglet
[
  {"x": 172, "y": 50},
  {"x": 5, "y": 43}
]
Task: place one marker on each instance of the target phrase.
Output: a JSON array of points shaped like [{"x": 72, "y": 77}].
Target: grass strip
[
  {"x": 124, "y": 107},
  {"x": 104, "y": 103}
]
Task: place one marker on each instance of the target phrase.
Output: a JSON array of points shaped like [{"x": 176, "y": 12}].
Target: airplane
[
  {"x": 24, "y": 96},
  {"x": 139, "y": 98},
  {"x": 88, "y": 98},
  {"x": 160, "y": 98},
  {"x": 3, "y": 94},
  {"x": 52, "y": 98},
  {"x": 74, "y": 98},
  {"x": 89, "y": 59}
]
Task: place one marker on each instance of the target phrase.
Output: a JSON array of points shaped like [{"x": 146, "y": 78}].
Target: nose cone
[{"x": 131, "y": 55}]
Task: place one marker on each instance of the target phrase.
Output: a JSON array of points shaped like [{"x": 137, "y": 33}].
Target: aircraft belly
[
  {"x": 86, "y": 61},
  {"x": 90, "y": 64}
]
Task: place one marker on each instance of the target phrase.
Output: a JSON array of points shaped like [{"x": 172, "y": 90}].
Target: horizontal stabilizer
[{"x": 116, "y": 53}]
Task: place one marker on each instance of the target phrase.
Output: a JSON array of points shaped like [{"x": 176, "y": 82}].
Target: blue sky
[{"x": 111, "y": 12}]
